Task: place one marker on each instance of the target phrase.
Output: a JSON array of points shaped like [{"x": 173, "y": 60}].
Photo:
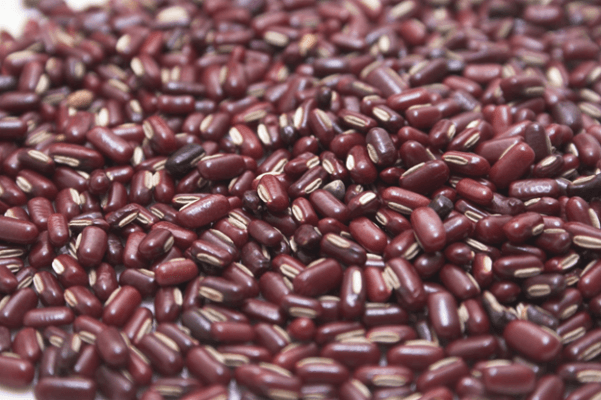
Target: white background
[{"x": 12, "y": 19}]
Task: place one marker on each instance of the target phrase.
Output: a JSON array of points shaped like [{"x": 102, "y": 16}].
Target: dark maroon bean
[
  {"x": 338, "y": 330},
  {"x": 178, "y": 334},
  {"x": 414, "y": 179},
  {"x": 5, "y": 340},
  {"x": 142, "y": 279},
  {"x": 428, "y": 229},
  {"x": 50, "y": 388},
  {"x": 121, "y": 305},
  {"x": 203, "y": 211},
  {"x": 272, "y": 193},
  {"x": 208, "y": 365},
  {"x": 83, "y": 301},
  {"x": 444, "y": 315},
  {"x": 360, "y": 166},
  {"x": 352, "y": 352},
  {"x": 263, "y": 310},
  {"x": 444, "y": 372},
  {"x": 578, "y": 371},
  {"x": 28, "y": 344},
  {"x": 533, "y": 341},
  {"x": 112, "y": 348},
  {"x": 473, "y": 348},
  {"x": 347, "y": 251},
  {"x": 320, "y": 277},
  {"x": 508, "y": 379},
  {"x": 352, "y": 293},
  {"x": 14, "y": 307},
  {"x": 160, "y": 135},
  {"x": 274, "y": 286},
  {"x": 404, "y": 245},
  {"x": 114, "y": 384},
  {"x": 520, "y": 266},
  {"x": 400, "y": 275},
  {"x": 548, "y": 387},
  {"x": 48, "y": 364},
  {"x": 183, "y": 238},
  {"x": 524, "y": 226},
  {"x": 321, "y": 370},
  {"x": 574, "y": 327},
  {"x": 167, "y": 304},
  {"x": 16, "y": 371},
  {"x": 92, "y": 246},
  {"x": 48, "y": 288},
  {"x": 564, "y": 305},
  {"x": 511, "y": 165},
  {"x": 103, "y": 280},
  {"x": 329, "y": 206},
  {"x": 163, "y": 353},
  {"x": 17, "y": 231},
  {"x": 43, "y": 317},
  {"x": 271, "y": 337},
  {"x": 586, "y": 391},
  {"x": 584, "y": 348},
  {"x": 110, "y": 144},
  {"x": 545, "y": 285},
  {"x": 139, "y": 324},
  {"x": 302, "y": 329},
  {"x": 156, "y": 243}
]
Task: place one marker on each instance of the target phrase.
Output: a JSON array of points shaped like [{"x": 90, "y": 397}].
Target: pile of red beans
[{"x": 333, "y": 199}]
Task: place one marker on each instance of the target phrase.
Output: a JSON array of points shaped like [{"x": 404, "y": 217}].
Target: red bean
[
  {"x": 120, "y": 306},
  {"x": 441, "y": 373},
  {"x": 16, "y": 372},
  {"x": 511, "y": 165},
  {"x": 549, "y": 386},
  {"x": 203, "y": 211},
  {"x": 16, "y": 231},
  {"x": 525, "y": 337},
  {"x": 208, "y": 365},
  {"x": 428, "y": 229},
  {"x": 57, "y": 387},
  {"x": 509, "y": 379},
  {"x": 112, "y": 348},
  {"x": 403, "y": 278},
  {"x": 464, "y": 184},
  {"x": 163, "y": 353}
]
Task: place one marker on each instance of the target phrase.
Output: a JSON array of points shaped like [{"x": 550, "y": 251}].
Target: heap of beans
[{"x": 345, "y": 199}]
